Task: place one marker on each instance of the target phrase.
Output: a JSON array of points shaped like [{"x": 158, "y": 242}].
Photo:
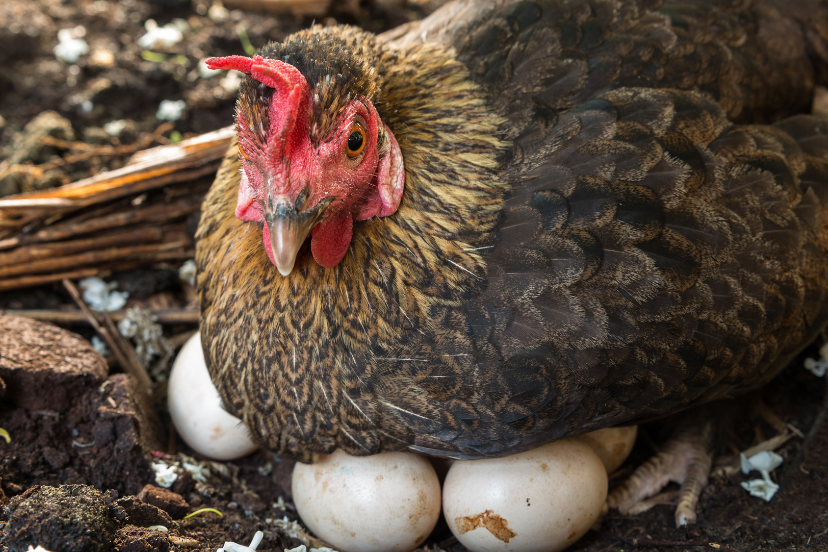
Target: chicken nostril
[{"x": 302, "y": 199}]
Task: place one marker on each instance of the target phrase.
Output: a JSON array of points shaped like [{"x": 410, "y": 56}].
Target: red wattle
[{"x": 330, "y": 239}]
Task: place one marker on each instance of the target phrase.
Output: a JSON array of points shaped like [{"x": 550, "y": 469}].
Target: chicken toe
[{"x": 686, "y": 459}]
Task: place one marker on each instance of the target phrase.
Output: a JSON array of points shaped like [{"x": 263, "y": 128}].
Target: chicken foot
[{"x": 685, "y": 459}]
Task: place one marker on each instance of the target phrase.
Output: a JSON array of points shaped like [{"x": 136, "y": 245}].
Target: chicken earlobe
[{"x": 390, "y": 180}]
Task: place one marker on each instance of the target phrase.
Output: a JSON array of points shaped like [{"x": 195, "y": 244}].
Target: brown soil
[{"x": 81, "y": 448}]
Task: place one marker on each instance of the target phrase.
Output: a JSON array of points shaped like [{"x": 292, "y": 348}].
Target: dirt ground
[{"x": 105, "y": 107}]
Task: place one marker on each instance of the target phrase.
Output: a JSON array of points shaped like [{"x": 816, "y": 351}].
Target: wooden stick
[
  {"x": 132, "y": 178},
  {"x": 167, "y": 317},
  {"x": 87, "y": 225},
  {"x": 31, "y": 281},
  {"x": 154, "y": 251},
  {"x": 103, "y": 332},
  {"x": 308, "y": 8},
  {"x": 150, "y": 213},
  {"x": 135, "y": 367},
  {"x": 61, "y": 249}
]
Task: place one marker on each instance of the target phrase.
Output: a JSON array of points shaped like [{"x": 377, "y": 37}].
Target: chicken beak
[{"x": 288, "y": 230}]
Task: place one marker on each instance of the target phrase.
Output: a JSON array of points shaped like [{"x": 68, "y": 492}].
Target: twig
[
  {"x": 649, "y": 542},
  {"x": 89, "y": 151},
  {"x": 95, "y": 258},
  {"x": 29, "y": 210},
  {"x": 307, "y": 8},
  {"x": 103, "y": 333},
  {"x": 136, "y": 368},
  {"x": 31, "y": 281},
  {"x": 168, "y": 316},
  {"x": 61, "y": 249},
  {"x": 150, "y": 213},
  {"x": 731, "y": 464},
  {"x": 155, "y": 167}
]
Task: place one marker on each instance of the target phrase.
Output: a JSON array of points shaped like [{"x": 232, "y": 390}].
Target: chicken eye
[{"x": 356, "y": 141}]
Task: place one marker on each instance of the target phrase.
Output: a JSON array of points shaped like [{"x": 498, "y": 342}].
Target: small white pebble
[
  {"x": 159, "y": 37},
  {"x": 85, "y": 106},
  {"x": 217, "y": 12},
  {"x": 115, "y": 128},
  {"x": 235, "y": 547},
  {"x": 180, "y": 24},
  {"x": 187, "y": 272},
  {"x": 764, "y": 462},
  {"x": 38, "y": 549},
  {"x": 102, "y": 58},
  {"x": 761, "y": 488},
  {"x": 199, "y": 472},
  {"x": 69, "y": 51},
  {"x": 820, "y": 366},
  {"x": 100, "y": 346},
  {"x": 169, "y": 110},
  {"x": 101, "y": 296},
  {"x": 164, "y": 475},
  {"x": 289, "y": 528}
]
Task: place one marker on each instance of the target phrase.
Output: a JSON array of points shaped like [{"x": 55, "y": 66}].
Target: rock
[
  {"x": 56, "y": 458},
  {"x": 136, "y": 539},
  {"x": 249, "y": 502},
  {"x": 71, "y": 518},
  {"x": 67, "y": 424},
  {"x": 172, "y": 503},
  {"x": 142, "y": 514},
  {"x": 129, "y": 429},
  {"x": 27, "y": 146},
  {"x": 184, "y": 484},
  {"x": 46, "y": 367}
]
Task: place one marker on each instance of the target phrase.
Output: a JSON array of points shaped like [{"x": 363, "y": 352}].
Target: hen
[{"x": 526, "y": 221}]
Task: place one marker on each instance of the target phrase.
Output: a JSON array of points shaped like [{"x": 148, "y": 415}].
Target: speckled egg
[
  {"x": 387, "y": 502},
  {"x": 611, "y": 444},
  {"x": 542, "y": 500},
  {"x": 196, "y": 412}
]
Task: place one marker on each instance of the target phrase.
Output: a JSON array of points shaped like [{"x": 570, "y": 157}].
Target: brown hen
[{"x": 604, "y": 217}]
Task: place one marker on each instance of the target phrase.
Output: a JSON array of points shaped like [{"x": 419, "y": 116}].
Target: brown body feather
[{"x": 585, "y": 239}]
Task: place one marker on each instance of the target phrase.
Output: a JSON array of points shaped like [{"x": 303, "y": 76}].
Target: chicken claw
[{"x": 685, "y": 459}]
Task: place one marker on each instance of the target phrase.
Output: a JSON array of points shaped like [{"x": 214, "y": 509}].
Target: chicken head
[{"x": 299, "y": 182}]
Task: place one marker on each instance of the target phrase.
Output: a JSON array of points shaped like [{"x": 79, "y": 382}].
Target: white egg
[
  {"x": 387, "y": 502},
  {"x": 611, "y": 444},
  {"x": 541, "y": 500},
  {"x": 196, "y": 412}
]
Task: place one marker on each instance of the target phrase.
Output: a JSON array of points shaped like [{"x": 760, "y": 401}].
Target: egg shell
[
  {"x": 388, "y": 502},
  {"x": 542, "y": 500},
  {"x": 196, "y": 412},
  {"x": 611, "y": 444}
]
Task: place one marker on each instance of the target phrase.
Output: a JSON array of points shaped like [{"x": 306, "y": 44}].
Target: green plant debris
[
  {"x": 245, "y": 40},
  {"x": 155, "y": 57},
  {"x": 202, "y": 511}
]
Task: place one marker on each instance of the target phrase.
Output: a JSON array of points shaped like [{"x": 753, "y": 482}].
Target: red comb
[{"x": 271, "y": 72}]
